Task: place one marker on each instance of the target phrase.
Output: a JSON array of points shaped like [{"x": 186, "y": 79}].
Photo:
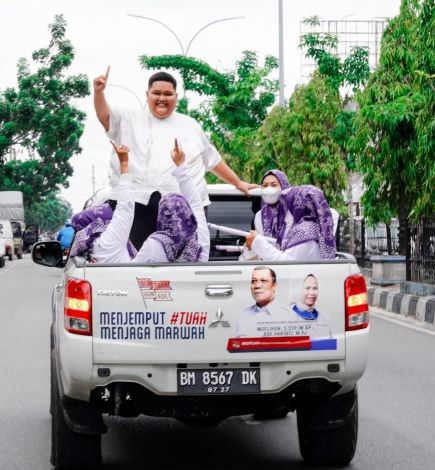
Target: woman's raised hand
[
  {"x": 177, "y": 154},
  {"x": 122, "y": 152}
]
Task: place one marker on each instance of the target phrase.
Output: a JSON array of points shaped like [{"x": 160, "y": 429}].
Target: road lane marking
[{"x": 399, "y": 319}]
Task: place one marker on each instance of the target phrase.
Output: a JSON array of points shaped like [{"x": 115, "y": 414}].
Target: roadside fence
[{"x": 383, "y": 239}]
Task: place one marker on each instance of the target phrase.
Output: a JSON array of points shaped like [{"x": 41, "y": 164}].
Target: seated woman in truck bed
[
  {"x": 309, "y": 237},
  {"x": 182, "y": 233}
]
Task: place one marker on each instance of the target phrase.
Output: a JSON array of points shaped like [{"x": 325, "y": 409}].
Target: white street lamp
[
  {"x": 184, "y": 50},
  {"x": 281, "y": 54},
  {"x": 142, "y": 105}
]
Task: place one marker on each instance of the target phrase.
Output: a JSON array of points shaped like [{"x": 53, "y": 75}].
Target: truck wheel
[
  {"x": 328, "y": 430},
  {"x": 70, "y": 449},
  {"x": 52, "y": 384}
]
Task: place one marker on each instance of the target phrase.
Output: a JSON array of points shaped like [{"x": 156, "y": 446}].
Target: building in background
[{"x": 350, "y": 33}]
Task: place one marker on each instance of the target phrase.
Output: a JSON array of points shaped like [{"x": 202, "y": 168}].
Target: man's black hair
[
  {"x": 162, "y": 77},
  {"x": 272, "y": 272}
]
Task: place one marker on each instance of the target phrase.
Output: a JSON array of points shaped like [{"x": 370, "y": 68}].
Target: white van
[
  {"x": 2, "y": 252},
  {"x": 8, "y": 237}
]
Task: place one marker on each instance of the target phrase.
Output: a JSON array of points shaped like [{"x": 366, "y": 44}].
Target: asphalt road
[{"x": 397, "y": 406}]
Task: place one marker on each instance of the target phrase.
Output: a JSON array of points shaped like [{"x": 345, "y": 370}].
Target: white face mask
[{"x": 270, "y": 195}]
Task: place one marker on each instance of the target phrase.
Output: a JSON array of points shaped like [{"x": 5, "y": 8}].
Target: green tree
[
  {"x": 238, "y": 101},
  {"x": 49, "y": 213},
  {"x": 40, "y": 116},
  {"x": 300, "y": 141},
  {"x": 345, "y": 78},
  {"x": 425, "y": 122},
  {"x": 396, "y": 123}
]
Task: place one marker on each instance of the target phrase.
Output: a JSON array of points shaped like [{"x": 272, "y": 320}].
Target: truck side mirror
[{"x": 48, "y": 254}]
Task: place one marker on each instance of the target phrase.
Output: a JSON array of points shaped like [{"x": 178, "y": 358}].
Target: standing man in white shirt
[
  {"x": 150, "y": 135},
  {"x": 267, "y": 317}
]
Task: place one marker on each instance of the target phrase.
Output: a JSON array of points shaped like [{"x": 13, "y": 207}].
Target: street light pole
[
  {"x": 93, "y": 178},
  {"x": 164, "y": 25},
  {"x": 184, "y": 50},
  {"x": 130, "y": 91},
  {"x": 281, "y": 55},
  {"x": 209, "y": 24},
  {"x": 96, "y": 160}
]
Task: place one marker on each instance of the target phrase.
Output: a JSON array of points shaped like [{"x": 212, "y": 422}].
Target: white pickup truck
[{"x": 203, "y": 342}]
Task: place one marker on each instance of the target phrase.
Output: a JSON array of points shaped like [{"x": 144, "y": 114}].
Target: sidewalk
[{"x": 389, "y": 298}]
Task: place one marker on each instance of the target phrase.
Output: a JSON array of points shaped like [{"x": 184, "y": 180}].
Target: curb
[{"x": 421, "y": 308}]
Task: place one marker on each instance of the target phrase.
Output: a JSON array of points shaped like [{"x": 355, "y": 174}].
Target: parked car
[
  {"x": 7, "y": 234},
  {"x": 30, "y": 237},
  {"x": 2, "y": 252},
  {"x": 17, "y": 230}
]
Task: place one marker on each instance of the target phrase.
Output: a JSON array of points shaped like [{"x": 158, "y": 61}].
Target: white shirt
[
  {"x": 151, "y": 141},
  {"x": 267, "y": 252},
  {"x": 255, "y": 321},
  {"x": 250, "y": 255},
  {"x": 111, "y": 246}
]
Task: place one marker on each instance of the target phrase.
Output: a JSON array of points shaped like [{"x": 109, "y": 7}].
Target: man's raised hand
[
  {"x": 177, "y": 154},
  {"x": 101, "y": 81}
]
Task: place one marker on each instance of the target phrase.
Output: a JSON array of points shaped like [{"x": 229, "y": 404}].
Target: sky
[{"x": 103, "y": 34}]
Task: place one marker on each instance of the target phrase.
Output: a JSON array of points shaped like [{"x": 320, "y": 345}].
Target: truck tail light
[
  {"x": 78, "y": 307},
  {"x": 356, "y": 304}
]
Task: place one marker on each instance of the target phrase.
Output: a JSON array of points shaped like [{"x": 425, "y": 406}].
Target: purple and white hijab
[
  {"x": 273, "y": 215},
  {"x": 89, "y": 224},
  {"x": 177, "y": 229},
  {"x": 312, "y": 219}
]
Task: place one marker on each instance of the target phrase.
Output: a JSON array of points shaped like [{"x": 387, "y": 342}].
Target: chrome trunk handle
[{"x": 219, "y": 290}]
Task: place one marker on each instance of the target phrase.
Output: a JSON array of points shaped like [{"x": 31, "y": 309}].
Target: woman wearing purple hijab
[
  {"x": 311, "y": 235},
  {"x": 273, "y": 218},
  {"x": 182, "y": 233}
]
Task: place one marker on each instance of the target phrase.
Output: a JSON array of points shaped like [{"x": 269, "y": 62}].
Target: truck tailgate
[{"x": 208, "y": 313}]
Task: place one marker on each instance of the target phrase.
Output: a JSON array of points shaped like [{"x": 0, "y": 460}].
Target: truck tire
[
  {"x": 52, "y": 384},
  {"x": 69, "y": 449},
  {"x": 328, "y": 430}
]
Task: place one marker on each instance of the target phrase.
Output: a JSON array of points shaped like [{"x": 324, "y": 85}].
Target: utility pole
[
  {"x": 93, "y": 178},
  {"x": 281, "y": 55}
]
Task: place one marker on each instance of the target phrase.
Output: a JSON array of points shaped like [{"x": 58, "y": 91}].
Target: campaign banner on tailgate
[
  {"x": 290, "y": 321},
  {"x": 270, "y": 325}
]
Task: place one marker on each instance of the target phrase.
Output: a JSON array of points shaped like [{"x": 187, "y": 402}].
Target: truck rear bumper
[
  {"x": 161, "y": 379},
  {"x": 130, "y": 399}
]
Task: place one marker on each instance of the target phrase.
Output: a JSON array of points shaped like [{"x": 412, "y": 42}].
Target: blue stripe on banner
[{"x": 323, "y": 344}]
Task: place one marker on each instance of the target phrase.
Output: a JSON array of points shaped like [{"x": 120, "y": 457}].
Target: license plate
[{"x": 218, "y": 381}]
